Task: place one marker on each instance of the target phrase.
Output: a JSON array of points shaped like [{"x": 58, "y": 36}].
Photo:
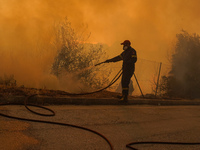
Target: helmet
[{"x": 126, "y": 42}]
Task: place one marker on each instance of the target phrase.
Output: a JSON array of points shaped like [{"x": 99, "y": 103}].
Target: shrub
[
  {"x": 74, "y": 55},
  {"x": 184, "y": 78}
]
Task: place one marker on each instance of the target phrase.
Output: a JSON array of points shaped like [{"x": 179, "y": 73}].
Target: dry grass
[{"x": 23, "y": 91}]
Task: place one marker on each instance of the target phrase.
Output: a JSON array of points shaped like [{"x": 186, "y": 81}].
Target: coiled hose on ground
[{"x": 52, "y": 113}]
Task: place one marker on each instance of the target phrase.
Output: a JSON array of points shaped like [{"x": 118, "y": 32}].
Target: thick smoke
[{"x": 26, "y": 30}]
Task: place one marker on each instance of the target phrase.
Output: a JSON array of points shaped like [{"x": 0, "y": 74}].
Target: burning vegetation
[
  {"x": 73, "y": 66},
  {"x": 72, "y": 58},
  {"x": 75, "y": 58}
]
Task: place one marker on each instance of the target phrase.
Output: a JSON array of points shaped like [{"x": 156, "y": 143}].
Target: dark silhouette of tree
[{"x": 184, "y": 77}]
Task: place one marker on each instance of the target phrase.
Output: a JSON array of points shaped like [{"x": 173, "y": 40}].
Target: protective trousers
[{"x": 126, "y": 77}]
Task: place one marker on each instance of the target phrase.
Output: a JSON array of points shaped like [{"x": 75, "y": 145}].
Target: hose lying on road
[
  {"x": 160, "y": 143},
  {"x": 49, "y": 122},
  {"x": 53, "y": 113}
]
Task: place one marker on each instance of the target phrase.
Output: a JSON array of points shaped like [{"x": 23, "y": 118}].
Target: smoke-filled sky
[{"x": 151, "y": 26}]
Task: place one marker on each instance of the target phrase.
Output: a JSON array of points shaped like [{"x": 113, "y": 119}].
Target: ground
[{"x": 120, "y": 124}]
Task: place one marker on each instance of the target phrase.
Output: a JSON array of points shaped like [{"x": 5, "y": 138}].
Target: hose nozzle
[{"x": 99, "y": 63}]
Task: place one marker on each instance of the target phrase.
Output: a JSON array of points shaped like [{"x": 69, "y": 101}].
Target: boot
[
  {"x": 124, "y": 98},
  {"x": 119, "y": 96}
]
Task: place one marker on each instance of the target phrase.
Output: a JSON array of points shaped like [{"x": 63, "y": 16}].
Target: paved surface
[{"x": 120, "y": 124}]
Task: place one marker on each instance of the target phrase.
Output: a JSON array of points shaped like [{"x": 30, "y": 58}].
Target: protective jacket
[{"x": 129, "y": 58}]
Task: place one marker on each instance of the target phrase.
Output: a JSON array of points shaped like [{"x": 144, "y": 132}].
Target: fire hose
[
  {"x": 52, "y": 113},
  {"x": 111, "y": 83},
  {"x": 50, "y": 122}
]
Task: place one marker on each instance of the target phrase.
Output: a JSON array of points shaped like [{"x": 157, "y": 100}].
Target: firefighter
[{"x": 129, "y": 57}]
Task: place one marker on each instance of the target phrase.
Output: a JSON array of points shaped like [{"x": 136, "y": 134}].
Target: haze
[{"x": 26, "y": 30}]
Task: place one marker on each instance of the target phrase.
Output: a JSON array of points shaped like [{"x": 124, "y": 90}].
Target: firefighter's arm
[{"x": 115, "y": 59}]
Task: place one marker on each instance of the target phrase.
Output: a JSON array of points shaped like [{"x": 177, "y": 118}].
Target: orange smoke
[{"x": 26, "y": 30}]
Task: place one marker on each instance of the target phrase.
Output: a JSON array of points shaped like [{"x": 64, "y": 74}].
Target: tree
[
  {"x": 75, "y": 54},
  {"x": 184, "y": 78}
]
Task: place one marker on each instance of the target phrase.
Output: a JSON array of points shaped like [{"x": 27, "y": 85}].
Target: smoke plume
[{"x": 26, "y": 30}]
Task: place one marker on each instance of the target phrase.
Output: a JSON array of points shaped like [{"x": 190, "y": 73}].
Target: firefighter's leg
[{"x": 126, "y": 77}]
